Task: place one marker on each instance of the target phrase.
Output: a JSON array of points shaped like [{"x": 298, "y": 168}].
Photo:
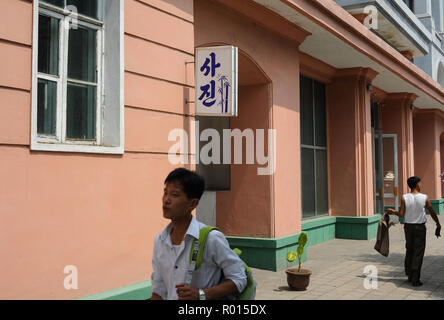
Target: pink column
[
  {"x": 397, "y": 118},
  {"x": 442, "y": 162},
  {"x": 427, "y": 128},
  {"x": 350, "y": 143}
]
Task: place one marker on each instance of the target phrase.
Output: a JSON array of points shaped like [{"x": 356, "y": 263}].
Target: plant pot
[{"x": 298, "y": 280}]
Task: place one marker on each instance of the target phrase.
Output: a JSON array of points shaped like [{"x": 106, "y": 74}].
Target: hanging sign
[{"x": 216, "y": 81}]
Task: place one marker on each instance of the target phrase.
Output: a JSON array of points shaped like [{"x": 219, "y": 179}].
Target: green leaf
[
  {"x": 291, "y": 256},
  {"x": 302, "y": 241},
  {"x": 300, "y": 251}
]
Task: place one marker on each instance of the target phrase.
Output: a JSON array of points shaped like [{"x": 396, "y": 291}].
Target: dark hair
[
  {"x": 413, "y": 181},
  {"x": 193, "y": 184}
]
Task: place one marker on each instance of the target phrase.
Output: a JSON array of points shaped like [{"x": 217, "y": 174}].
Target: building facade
[{"x": 90, "y": 92}]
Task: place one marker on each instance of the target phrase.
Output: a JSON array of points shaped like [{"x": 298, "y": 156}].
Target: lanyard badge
[{"x": 192, "y": 267}]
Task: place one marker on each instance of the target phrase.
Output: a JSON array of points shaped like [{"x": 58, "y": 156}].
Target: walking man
[{"x": 413, "y": 207}]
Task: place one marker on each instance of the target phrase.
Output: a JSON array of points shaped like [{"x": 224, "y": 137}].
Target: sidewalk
[{"x": 338, "y": 271}]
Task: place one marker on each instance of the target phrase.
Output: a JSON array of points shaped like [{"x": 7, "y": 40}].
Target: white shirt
[
  {"x": 415, "y": 204},
  {"x": 170, "y": 269}
]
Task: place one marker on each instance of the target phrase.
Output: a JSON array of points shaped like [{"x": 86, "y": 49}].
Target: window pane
[
  {"x": 87, "y": 8},
  {"x": 320, "y": 114},
  {"x": 81, "y": 112},
  {"x": 58, "y": 3},
  {"x": 375, "y": 116},
  {"x": 308, "y": 183},
  {"x": 306, "y": 93},
  {"x": 82, "y": 60},
  {"x": 48, "y": 53},
  {"x": 46, "y": 107},
  {"x": 321, "y": 182}
]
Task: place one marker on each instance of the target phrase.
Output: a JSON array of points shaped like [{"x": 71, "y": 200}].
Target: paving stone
[{"x": 338, "y": 271}]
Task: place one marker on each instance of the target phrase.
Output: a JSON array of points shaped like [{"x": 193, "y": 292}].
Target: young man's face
[{"x": 175, "y": 203}]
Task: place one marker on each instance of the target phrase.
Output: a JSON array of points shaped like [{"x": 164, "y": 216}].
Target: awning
[{"x": 340, "y": 40}]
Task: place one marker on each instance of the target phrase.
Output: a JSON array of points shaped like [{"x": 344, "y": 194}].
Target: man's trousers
[{"x": 415, "y": 242}]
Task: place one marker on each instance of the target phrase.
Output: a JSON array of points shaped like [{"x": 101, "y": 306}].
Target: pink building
[{"x": 87, "y": 102}]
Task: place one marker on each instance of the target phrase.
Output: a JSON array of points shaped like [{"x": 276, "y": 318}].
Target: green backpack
[{"x": 249, "y": 292}]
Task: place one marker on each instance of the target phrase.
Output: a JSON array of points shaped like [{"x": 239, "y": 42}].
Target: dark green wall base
[
  {"x": 270, "y": 254},
  {"x": 137, "y": 291},
  {"x": 319, "y": 229},
  {"x": 357, "y": 228},
  {"x": 327, "y": 228},
  {"x": 267, "y": 253},
  {"x": 438, "y": 206}
]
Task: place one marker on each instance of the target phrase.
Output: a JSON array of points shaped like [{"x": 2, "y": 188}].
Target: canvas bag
[{"x": 196, "y": 255}]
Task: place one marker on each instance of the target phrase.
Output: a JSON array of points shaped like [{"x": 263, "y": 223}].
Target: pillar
[
  {"x": 427, "y": 147},
  {"x": 350, "y": 143},
  {"x": 397, "y": 118}
]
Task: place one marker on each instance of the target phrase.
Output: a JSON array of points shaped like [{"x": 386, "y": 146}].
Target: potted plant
[{"x": 298, "y": 278}]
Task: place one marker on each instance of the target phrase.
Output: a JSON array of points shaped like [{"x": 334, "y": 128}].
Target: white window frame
[{"x": 59, "y": 142}]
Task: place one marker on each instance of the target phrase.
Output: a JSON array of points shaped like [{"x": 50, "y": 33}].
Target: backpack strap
[{"x": 203, "y": 235}]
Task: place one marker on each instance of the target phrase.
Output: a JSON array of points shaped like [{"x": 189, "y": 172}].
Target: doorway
[{"x": 385, "y": 165}]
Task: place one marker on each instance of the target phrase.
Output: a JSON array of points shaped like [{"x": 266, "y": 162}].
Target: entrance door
[
  {"x": 378, "y": 181},
  {"x": 390, "y": 170},
  {"x": 386, "y": 172}
]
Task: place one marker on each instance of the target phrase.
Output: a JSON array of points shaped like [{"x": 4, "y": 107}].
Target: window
[
  {"x": 313, "y": 148},
  {"x": 69, "y": 113},
  {"x": 409, "y": 4}
]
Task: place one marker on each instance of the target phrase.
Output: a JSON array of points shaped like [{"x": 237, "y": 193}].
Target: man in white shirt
[
  {"x": 413, "y": 207},
  {"x": 171, "y": 256}
]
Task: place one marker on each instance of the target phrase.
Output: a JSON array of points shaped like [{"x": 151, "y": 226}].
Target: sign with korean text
[{"x": 216, "y": 81}]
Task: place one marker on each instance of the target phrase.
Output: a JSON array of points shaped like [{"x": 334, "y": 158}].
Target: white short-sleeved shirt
[
  {"x": 170, "y": 265},
  {"x": 415, "y": 204}
]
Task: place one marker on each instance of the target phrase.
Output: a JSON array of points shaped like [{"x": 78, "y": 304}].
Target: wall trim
[
  {"x": 270, "y": 253},
  {"x": 136, "y": 291},
  {"x": 267, "y": 253}
]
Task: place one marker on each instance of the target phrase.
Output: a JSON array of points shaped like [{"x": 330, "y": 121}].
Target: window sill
[{"x": 59, "y": 147}]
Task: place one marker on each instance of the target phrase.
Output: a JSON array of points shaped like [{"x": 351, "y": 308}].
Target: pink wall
[
  {"x": 250, "y": 197},
  {"x": 97, "y": 212},
  {"x": 101, "y": 212},
  {"x": 442, "y": 162},
  {"x": 427, "y": 128},
  {"x": 278, "y": 58},
  {"x": 350, "y": 144}
]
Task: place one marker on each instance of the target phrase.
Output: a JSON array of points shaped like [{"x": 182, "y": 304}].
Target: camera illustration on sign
[{"x": 216, "y": 81}]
